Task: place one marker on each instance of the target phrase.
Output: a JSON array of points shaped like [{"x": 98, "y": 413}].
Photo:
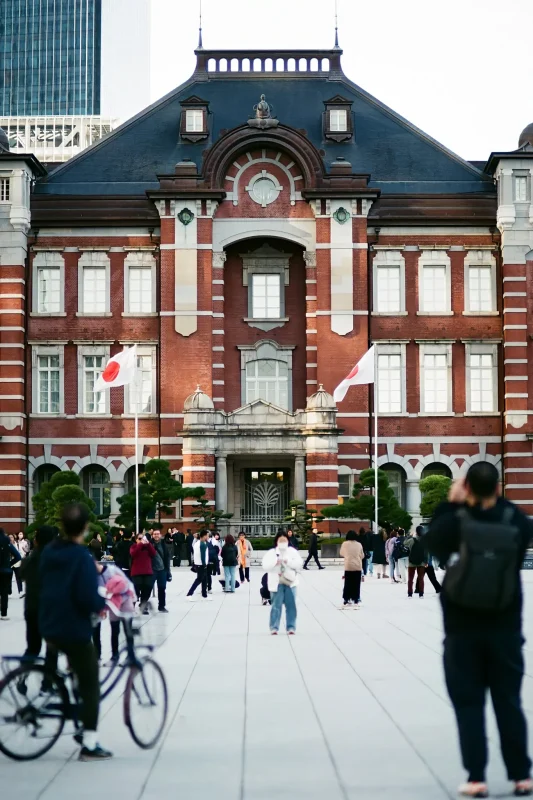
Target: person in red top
[{"x": 141, "y": 571}]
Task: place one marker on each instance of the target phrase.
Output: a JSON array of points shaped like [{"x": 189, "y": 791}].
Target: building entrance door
[{"x": 266, "y": 498}]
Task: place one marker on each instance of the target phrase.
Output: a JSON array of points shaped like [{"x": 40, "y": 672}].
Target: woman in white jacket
[{"x": 282, "y": 563}]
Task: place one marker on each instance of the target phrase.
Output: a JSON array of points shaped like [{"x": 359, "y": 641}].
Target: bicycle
[{"x": 36, "y": 702}]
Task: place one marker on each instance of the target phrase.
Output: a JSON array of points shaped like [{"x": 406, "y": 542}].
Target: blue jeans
[
  {"x": 285, "y": 595},
  {"x": 229, "y": 578},
  {"x": 392, "y": 567},
  {"x": 370, "y": 564}
]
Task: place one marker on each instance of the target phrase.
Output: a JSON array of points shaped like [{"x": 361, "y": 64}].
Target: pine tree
[
  {"x": 434, "y": 490},
  {"x": 159, "y": 492},
  {"x": 206, "y": 515},
  {"x": 62, "y": 489},
  {"x": 361, "y": 505},
  {"x": 301, "y": 520}
]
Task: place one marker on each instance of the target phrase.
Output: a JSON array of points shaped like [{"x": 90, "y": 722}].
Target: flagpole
[
  {"x": 376, "y": 438},
  {"x": 136, "y": 385}
]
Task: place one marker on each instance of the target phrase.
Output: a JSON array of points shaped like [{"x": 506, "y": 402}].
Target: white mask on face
[{"x": 283, "y": 546}]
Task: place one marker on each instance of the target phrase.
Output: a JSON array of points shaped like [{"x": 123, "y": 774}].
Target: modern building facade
[
  {"x": 67, "y": 73},
  {"x": 254, "y": 232}
]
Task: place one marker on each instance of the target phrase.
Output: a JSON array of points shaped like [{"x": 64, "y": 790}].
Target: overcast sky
[{"x": 461, "y": 70}]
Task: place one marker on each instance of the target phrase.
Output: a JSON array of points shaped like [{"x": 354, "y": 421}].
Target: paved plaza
[{"x": 353, "y": 707}]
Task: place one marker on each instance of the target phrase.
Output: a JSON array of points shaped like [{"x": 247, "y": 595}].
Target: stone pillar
[
  {"x": 299, "y": 478},
  {"x": 116, "y": 491},
  {"x": 413, "y": 498},
  {"x": 221, "y": 484}
]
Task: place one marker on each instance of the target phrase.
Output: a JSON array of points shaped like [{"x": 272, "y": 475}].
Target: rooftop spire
[
  {"x": 336, "y": 24},
  {"x": 200, "y": 44}
]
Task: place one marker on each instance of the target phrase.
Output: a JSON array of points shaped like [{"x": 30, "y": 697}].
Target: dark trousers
[
  {"x": 200, "y": 580},
  {"x": 209, "y": 575},
  {"x": 313, "y": 554},
  {"x": 176, "y": 561},
  {"x": 475, "y": 662},
  {"x": 244, "y": 572},
  {"x": 143, "y": 587},
  {"x": 34, "y": 641},
  {"x": 18, "y": 580},
  {"x": 420, "y": 571},
  {"x": 115, "y": 634},
  {"x": 161, "y": 580},
  {"x": 430, "y": 572},
  {"x": 83, "y": 662},
  {"x": 5, "y": 587},
  {"x": 352, "y": 586},
  {"x": 189, "y": 556}
]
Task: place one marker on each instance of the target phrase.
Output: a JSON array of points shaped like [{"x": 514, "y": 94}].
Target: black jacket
[
  {"x": 443, "y": 539},
  {"x": 161, "y": 548},
  {"x": 178, "y": 539},
  {"x": 121, "y": 553},
  {"x": 190, "y": 541},
  {"x": 313, "y": 543},
  {"x": 29, "y": 573},
  {"x": 229, "y": 555}
]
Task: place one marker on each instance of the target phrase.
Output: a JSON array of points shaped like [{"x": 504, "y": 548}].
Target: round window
[{"x": 264, "y": 191}]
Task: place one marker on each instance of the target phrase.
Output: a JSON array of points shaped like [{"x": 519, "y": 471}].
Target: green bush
[
  {"x": 263, "y": 543},
  {"x": 336, "y": 540}
]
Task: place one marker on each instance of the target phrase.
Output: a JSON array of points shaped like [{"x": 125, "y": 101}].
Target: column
[
  {"x": 413, "y": 498},
  {"x": 221, "y": 484},
  {"x": 299, "y": 478},
  {"x": 116, "y": 490}
]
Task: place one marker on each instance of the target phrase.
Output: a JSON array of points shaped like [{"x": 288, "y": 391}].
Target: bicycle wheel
[
  {"x": 146, "y": 703},
  {"x": 32, "y": 711}
]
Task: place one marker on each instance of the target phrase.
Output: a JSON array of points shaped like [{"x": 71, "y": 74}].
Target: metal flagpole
[
  {"x": 376, "y": 438},
  {"x": 136, "y": 385}
]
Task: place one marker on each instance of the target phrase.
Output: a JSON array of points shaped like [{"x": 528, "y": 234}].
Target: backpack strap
[{"x": 508, "y": 514}]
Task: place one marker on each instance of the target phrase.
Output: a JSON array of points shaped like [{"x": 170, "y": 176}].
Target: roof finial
[
  {"x": 336, "y": 25},
  {"x": 200, "y": 44}
]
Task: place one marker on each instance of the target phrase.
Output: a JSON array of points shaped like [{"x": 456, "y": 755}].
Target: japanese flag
[
  {"x": 363, "y": 372},
  {"x": 119, "y": 370}
]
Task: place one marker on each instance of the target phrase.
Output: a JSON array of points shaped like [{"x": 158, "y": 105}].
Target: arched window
[
  {"x": 95, "y": 483},
  {"x": 345, "y": 478},
  {"x": 396, "y": 476},
  {"x": 436, "y": 469},
  {"x": 42, "y": 475},
  {"x": 267, "y": 379}
]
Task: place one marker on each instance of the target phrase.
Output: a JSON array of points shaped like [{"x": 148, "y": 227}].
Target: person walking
[
  {"x": 417, "y": 562},
  {"x": 96, "y": 547},
  {"x": 230, "y": 557},
  {"x": 23, "y": 544},
  {"x": 293, "y": 539},
  {"x": 430, "y": 572},
  {"x": 16, "y": 566},
  {"x": 366, "y": 539},
  {"x": 245, "y": 553},
  {"x": 379, "y": 555},
  {"x": 142, "y": 553},
  {"x": 353, "y": 554},
  {"x": 9, "y": 556},
  {"x": 201, "y": 567},
  {"x": 313, "y": 550},
  {"x": 190, "y": 542},
  {"x": 389, "y": 552},
  {"x": 161, "y": 569},
  {"x": 282, "y": 563},
  {"x": 178, "y": 537},
  {"x": 29, "y": 572},
  {"x": 121, "y": 552},
  {"x": 483, "y": 538},
  {"x": 401, "y": 556}
]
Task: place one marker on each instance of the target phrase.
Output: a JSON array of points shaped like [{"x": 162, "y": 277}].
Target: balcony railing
[{"x": 250, "y": 63}]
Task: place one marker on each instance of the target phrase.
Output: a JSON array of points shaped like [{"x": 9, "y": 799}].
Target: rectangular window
[
  {"x": 434, "y": 291},
  {"x": 338, "y": 120},
  {"x": 482, "y": 382},
  {"x": 390, "y": 383},
  {"x": 194, "y": 121},
  {"x": 144, "y": 386},
  {"x": 266, "y": 296},
  {"x": 480, "y": 288},
  {"x": 48, "y": 384},
  {"x": 49, "y": 290},
  {"x": 94, "y": 290},
  {"x": 93, "y": 402},
  {"x": 4, "y": 190},
  {"x": 435, "y": 382},
  {"x": 520, "y": 188},
  {"x": 344, "y": 488},
  {"x": 140, "y": 290},
  {"x": 388, "y": 298}
]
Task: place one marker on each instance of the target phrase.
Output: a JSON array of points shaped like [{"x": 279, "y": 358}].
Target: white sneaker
[
  {"x": 191, "y": 599},
  {"x": 208, "y": 599},
  {"x": 4, "y": 619}
]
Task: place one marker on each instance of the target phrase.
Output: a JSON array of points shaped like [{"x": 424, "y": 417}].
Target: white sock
[{"x": 89, "y": 740}]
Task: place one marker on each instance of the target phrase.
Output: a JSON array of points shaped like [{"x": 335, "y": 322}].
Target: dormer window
[
  {"x": 338, "y": 123},
  {"x": 194, "y": 119}
]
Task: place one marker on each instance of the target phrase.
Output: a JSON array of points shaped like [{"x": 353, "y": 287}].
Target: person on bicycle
[{"x": 68, "y": 598}]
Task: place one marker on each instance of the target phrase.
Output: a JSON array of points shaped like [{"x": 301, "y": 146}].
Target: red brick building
[{"x": 255, "y": 248}]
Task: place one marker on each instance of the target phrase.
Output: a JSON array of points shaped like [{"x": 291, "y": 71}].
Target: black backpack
[
  {"x": 213, "y": 553},
  {"x": 417, "y": 554},
  {"x": 5, "y": 554},
  {"x": 485, "y": 577},
  {"x": 400, "y": 550}
]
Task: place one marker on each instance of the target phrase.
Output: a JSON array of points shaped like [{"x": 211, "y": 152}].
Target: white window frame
[
  {"x": 481, "y": 348},
  {"x": 5, "y": 189},
  {"x": 269, "y": 264},
  {"x": 97, "y": 350},
  {"x": 434, "y": 258},
  {"x": 47, "y": 350},
  {"x": 143, "y": 350},
  {"x": 436, "y": 348},
  {"x": 139, "y": 260},
  {"x": 48, "y": 260},
  {"x": 253, "y": 289},
  {"x": 266, "y": 350},
  {"x": 384, "y": 259},
  {"x": 394, "y": 349},
  {"x": 94, "y": 260},
  {"x": 525, "y": 178},
  {"x": 484, "y": 259},
  {"x": 192, "y": 114},
  {"x": 335, "y": 127}
]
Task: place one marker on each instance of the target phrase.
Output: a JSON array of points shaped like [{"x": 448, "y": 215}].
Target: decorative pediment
[{"x": 261, "y": 413}]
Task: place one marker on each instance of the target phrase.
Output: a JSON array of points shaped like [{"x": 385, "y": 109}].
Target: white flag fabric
[
  {"x": 363, "y": 372},
  {"x": 119, "y": 370}
]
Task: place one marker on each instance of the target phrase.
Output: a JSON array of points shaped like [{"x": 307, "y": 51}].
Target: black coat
[
  {"x": 313, "y": 543},
  {"x": 379, "y": 549},
  {"x": 190, "y": 541},
  {"x": 29, "y": 573},
  {"x": 121, "y": 553},
  {"x": 161, "y": 548},
  {"x": 229, "y": 555}
]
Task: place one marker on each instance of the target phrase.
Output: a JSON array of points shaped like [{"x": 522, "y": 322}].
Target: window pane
[
  {"x": 435, "y": 383},
  {"x": 338, "y": 119},
  {"x": 480, "y": 288},
  {"x": 48, "y": 291},
  {"x": 144, "y": 387},
  {"x": 434, "y": 290},
  {"x": 344, "y": 486},
  {"x": 140, "y": 290},
  {"x": 482, "y": 383},
  {"x": 388, "y": 289},
  {"x": 267, "y": 380},
  {"x": 194, "y": 121},
  {"x": 389, "y": 384},
  {"x": 266, "y": 299},
  {"x": 521, "y": 189},
  {"x": 93, "y": 402},
  {"x": 94, "y": 290},
  {"x": 48, "y": 384}
]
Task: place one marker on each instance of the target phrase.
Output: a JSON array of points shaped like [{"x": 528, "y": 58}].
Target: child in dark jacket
[
  {"x": 264, "y": 591},
  {"x": 29, "y": 574}
]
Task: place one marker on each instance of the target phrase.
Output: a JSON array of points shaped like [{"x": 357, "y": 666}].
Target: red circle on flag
[
  {"x": 111, "y": 371},
  {"x": 354, "y": 372}
]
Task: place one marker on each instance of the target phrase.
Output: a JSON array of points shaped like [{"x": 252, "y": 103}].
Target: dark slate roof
[{"x": 399, "y": 157}]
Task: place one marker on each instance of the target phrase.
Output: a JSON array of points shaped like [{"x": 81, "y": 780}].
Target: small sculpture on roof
[{"x": 263, "y": 115}]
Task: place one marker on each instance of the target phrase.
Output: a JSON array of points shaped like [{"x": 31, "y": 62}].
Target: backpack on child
[
  {"x": 417, "y": 553},
  {"x": 400, "y": 550},
  {"x": 485, "y": 576}
]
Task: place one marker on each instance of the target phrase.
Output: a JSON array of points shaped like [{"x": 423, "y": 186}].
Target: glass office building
[{"x": 50, "y": 57}]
